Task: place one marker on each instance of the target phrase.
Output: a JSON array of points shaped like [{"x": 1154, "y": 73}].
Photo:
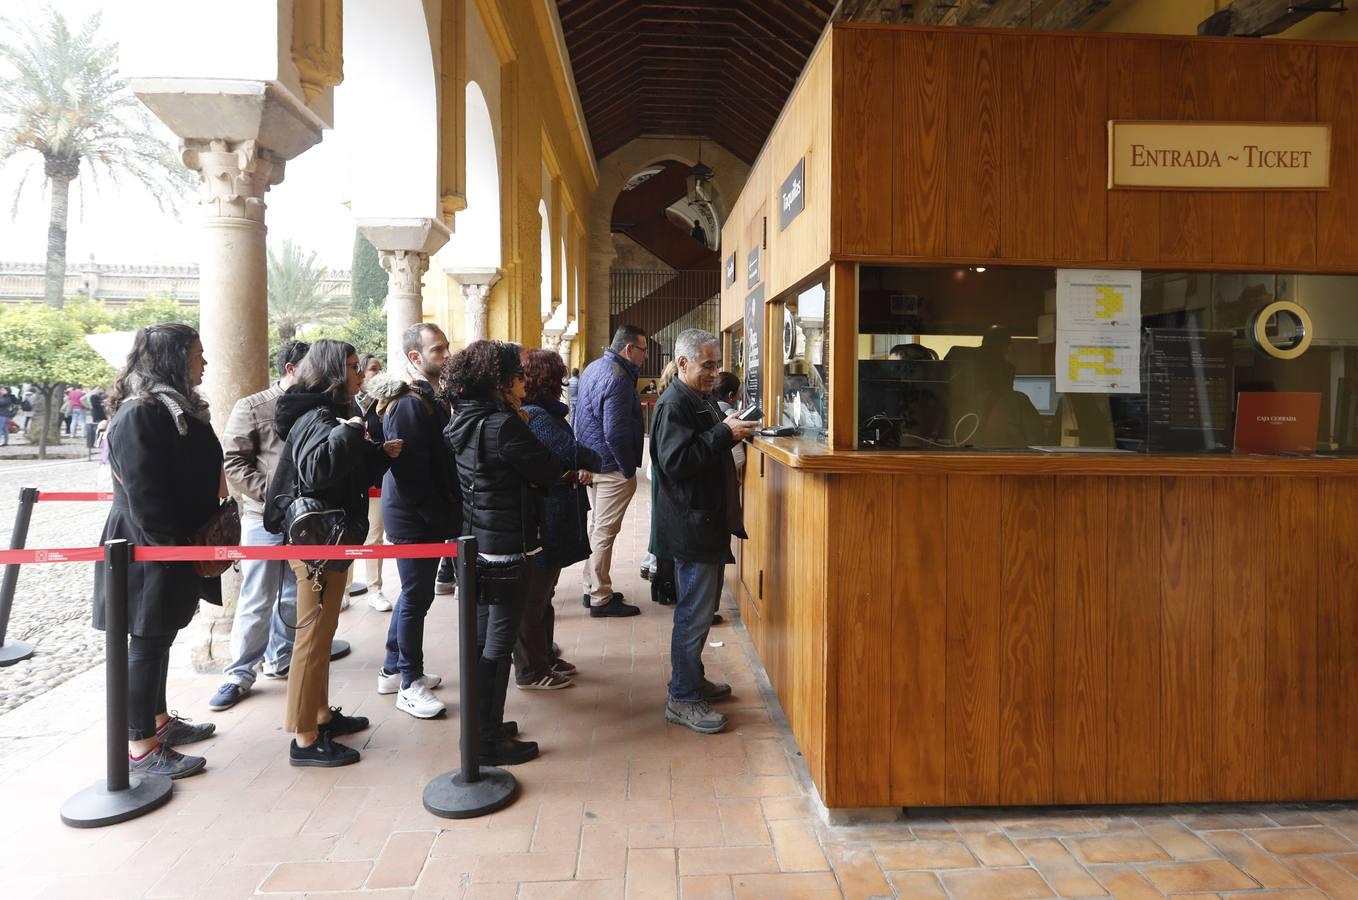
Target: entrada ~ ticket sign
[{"x": 1222, "y": 156}]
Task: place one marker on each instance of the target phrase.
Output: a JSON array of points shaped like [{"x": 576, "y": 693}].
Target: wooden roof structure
[{"x": 716, "y": 69}]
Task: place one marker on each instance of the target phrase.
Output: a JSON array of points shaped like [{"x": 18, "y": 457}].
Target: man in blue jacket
[
  {"x": 421, "y": 503},
  {"x": 607, "y": 419}
]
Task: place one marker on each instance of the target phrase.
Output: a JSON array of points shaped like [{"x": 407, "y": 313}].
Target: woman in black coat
[
  {"x": 504, "y": 474},
  {"x": 167, "y": 482},
  {"x": 327, "y": 458}
]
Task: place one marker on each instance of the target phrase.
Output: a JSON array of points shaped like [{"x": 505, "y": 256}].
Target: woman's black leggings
[
  {"x": 498, "y": 614},
  {"x": 148, "y": 668}
]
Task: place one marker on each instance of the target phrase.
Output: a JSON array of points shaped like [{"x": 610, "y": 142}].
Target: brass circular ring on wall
[{"x": 1261, "y": 339}]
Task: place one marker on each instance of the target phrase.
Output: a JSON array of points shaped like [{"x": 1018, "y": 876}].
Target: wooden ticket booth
[{"x": 1018, "y": 551}]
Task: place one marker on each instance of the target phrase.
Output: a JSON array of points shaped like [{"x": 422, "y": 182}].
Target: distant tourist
[
  {"x": 372, "y": 422},
  {"x": 9, "y": 408},
  {"x": 78, "y": 411}
]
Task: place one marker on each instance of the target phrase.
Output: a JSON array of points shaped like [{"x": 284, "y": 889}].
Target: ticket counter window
[
  {"x": 964, "y": 358},
  {"x": 803, "y": 395}
]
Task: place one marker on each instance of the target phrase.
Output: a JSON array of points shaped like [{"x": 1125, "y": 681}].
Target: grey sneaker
[
  {"x": 178, "y": 731},
  {"x": 696, "y": 716},
  {"x": 715, "y": 690},
  {"x": 165, "y": 760}
]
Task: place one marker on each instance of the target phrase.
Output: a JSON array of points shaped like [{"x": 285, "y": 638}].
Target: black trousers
[
  {"x": 148, "y": 668},
  {"x": 537, "y": 626},
  {"x": 498, "y": 612}
]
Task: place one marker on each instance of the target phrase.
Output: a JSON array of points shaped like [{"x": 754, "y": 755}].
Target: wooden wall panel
[
  {"x": 1240, "y": 601},
  {"x": 842, "y": 354},
  {"x": 1134, "y": 698},
  {"x": 1027, "y": 519},
  {"x": 1080, "y": 85},
  {"x": 1290, "y": 217},
  {"x": 972, "y": 174},
  {"x": 1337, "y": 632},
  {"x": 1237, "y": 85},
  {"x": 921, "y": 90},
  {"x": 1186, "y": 638},
  {"x": 1337, "y": 208},
  {"x": 1027, "y": 176},
  {"x": 1186, "y": 93},
  {"x": 1081, "y": 640},
  {"x": 805, "y": 133},
  {"x": 1291, "y": 647},
  {"x": 860, "y": 513},
  {"x": 863, "y": 168},
  {"x": 973, "y": 623},
  {"x": 918, "y": 673},
  {"x": 801, "y": 583},
  {"x": 1133, "y": 93}
]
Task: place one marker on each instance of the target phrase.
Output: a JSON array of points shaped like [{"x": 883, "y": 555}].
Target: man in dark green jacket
[{"x": 697, "y": 509}]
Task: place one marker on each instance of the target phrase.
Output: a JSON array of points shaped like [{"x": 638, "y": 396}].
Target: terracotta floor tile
[
  {"x": 988, "y": 885},
  {"x": 786, "y": 808},
  {"x": 603, "y": 851},
  {"x": 1302, "y": 841},
  {"x": 794, "y": 840},
  {"x": 859, "y": 875},
  {"x": 1325, "y": 875},
  {"x": 401, "y": 860},
  {"x": 1179, "y": 842},
  {"x": 786, "y": 886},
  {"x": 524, "y": 867},
  {"x": 611, "y": 889},
  {"x": 461, "y": 842},
  {"x": 316, "y": 876},
  {"x": 727, "y": 861},
  {"x": 705, "y": 887},
  {"x": 924, "y": 855},
  {"x": 1251, "y": 860},
  {"x": 1066, "y": 876},
  {"x": 1124, "y": 883},
  {"x": 697, "y": 833},
  {"x": 766, "y": 758},
  {"x": 1182, "y": 878},
  {"x": 755, "y": 786},
  {"x": 992, "y": 848},
  {"x": 1209, "y": 820},
  {"x": 742, "y": 822},
  {"x": 917, "y": 885},
  {"x": 651, "y": 875},
  {"x": 1118, "y": 849}
]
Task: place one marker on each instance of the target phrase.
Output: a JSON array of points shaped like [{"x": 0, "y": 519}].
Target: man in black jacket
[
  {"x": 420, "y": 504},
  {"x": 697, "y": 509}
]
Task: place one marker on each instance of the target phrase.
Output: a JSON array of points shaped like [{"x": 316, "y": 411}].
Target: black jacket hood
[
  {"x": 296, "y": 402},
  {"x": 466, "y": 413}
]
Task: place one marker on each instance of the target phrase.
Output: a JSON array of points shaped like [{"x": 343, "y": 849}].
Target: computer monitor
[
  {"x": 1041, "y": 389},
  {"x": 913, "y": 395}
]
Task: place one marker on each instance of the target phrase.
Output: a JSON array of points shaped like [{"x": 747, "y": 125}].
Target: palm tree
[
  {"x": 297, "y": 295},
  {"x": 62, "y": 98}
]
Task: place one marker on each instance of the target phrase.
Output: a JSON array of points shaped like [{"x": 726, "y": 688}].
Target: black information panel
[
  {"x": 1188, "y": 381},
  {"x": 754, "y": 345}
]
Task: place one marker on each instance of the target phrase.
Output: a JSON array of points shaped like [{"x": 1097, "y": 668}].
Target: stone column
[
  {"x": 476, "y": 285},
  {"x": 404, "y": 247},
  {"x": 233, "y": 288}
]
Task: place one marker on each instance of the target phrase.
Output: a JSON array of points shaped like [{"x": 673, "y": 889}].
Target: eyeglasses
[{"x": 645, "y": 350}]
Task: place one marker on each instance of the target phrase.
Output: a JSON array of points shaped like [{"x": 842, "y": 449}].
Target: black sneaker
[
  {"x": 614, "y": 609},
  {"x": 509, "y": 728},
  {"x": 178, "y": 731},
  {"x": 507, "y": 752},
  {"x": 324, "y": 754},
  {"x": 715, "y": 690},
  {"x": 165, "y": 760},
  {"x": 340, "y": 724},
  {"x": 584, "y": 600},
  {"x": 561, "y": 667}
]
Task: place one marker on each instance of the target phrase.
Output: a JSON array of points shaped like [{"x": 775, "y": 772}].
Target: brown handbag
[{"x": 222, "y": 529}]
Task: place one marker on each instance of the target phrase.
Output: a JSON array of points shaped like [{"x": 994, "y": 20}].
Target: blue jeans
[
  {"x": 699, "y": 590},
  {"x": 268, "y": 598},
  {"x": 405, "y": 634},
  {"x": 4, "y": 431}
]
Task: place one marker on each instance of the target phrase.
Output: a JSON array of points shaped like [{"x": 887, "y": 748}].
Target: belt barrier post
[
  {"x": 121, "y": 795},
  {"x": 473, "y": 790},
  {"x": 12, "y": 652}
]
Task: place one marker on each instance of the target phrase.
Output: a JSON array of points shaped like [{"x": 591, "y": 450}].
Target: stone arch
[
  {"x": 476, "y": 242},
  {"x": 545, "y": 275}
]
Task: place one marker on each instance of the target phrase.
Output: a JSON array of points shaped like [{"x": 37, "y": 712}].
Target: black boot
[{"x": 497, "y": 748}]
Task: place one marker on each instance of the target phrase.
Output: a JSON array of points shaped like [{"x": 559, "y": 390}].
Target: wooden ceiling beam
[{"x": 1258, "y": 18}]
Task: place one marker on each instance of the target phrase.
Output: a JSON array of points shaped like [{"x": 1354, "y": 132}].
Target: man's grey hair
[{"x": 692, "y": 340}]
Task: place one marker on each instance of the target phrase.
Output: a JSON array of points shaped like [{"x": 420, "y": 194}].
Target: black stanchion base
[
  {"x": 96, "y": 805},
  {"x": 452, "y": 798},
  {"x": 339, "y": 649},
  {"x": 12, "y": 652},
  {"x": 358, "y": 588}
]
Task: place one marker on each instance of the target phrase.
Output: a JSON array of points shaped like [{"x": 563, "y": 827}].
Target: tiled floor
[{"x": 620, "y": 804}]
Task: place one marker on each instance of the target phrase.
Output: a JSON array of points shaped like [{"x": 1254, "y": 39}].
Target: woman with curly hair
[
  {"x": 167, "y": 481},
  {"x": 504, "y": 474},
  {"x": 565, "y": 532}
]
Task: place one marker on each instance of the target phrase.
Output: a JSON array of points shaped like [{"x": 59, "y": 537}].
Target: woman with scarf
[
  {"x": 565, "y": 535},
  {"x": 504, "y": 474},
  {"x": 329, "y": 459},
  {"x": 167, "y": 482}
]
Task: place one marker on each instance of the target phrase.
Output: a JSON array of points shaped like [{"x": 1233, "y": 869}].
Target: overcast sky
[{"x": 125, "y": 225}]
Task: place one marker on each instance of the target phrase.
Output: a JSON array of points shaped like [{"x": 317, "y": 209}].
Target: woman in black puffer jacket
[
  {"x": 327, "y": 458},
  {"x": 504, "y": 474}
]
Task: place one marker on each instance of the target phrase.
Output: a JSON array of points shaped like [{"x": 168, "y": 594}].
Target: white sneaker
[
  {"x": 417, "y": 701},
  {"x": 344, "y": 603},
  {"x": 379, "y": 602},
  {"x": 390, "y": 684}
]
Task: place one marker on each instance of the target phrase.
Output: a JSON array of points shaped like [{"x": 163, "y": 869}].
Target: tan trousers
[
  {"x": 608, "y": 498},
  {"x": 309, "y": 678},
  {"x": 372, "y": 568}
]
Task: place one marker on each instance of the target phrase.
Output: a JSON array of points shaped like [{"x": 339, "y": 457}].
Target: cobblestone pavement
[{"x": 52, "y": 602}]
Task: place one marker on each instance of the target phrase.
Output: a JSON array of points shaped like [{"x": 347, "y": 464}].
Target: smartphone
[{"x": 750, "y": 413}]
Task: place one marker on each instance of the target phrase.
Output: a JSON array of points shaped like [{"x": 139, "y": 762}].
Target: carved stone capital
[
  {"x": 551, "y": 340},
  {"x": 233, "y": 176},
  {"x": 318, "y": 45},
  {"x": 406, "y": 268}
]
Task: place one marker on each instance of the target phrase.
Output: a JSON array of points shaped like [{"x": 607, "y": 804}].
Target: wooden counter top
[{"x": 805, "y": 454}]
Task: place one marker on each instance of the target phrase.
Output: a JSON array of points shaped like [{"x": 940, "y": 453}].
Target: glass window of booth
[
  {"x": 965, "y": 358},
  {"x": 799, "y": 325}
]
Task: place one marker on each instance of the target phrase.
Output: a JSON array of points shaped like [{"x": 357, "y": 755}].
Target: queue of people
[{"x": 475, "y": 442}]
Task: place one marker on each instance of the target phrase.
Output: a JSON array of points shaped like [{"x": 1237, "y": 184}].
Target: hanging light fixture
[{"x": 698, "y": 177}]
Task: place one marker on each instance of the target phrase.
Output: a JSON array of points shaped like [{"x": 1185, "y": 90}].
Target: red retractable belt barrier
[
  {"x": 74, "y": 495},
  {"x": 71, "y": 554},
  {"x": 209, "y": 554}
]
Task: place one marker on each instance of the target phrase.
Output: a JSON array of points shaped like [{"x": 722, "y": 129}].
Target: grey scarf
[{"x": 179, "y": 406}]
